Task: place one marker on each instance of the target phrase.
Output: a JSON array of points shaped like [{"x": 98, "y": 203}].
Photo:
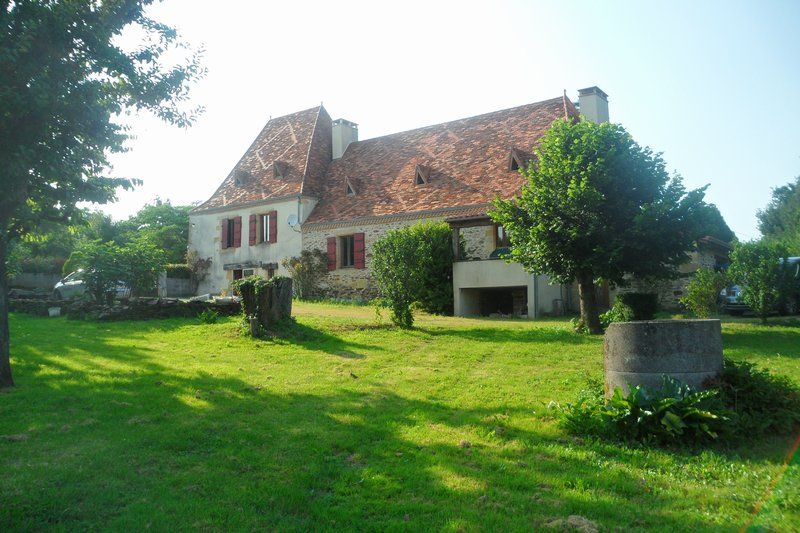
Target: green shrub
[
  {"x": 178, "y": 271},
  {"x": 743, "y": 403},
  {"x": 208, "y": 316},
  {"x": 619, "y": 312},
  {"x": 702, "y": 293},
  {"x": 762, "y": 403},
  {"x": 643, "y": 304},
  {"x": 414, "y": 265},
  {"x": 674, "y": 413},
  {"x": 307, "y": 270},
  {"x": 765, "y": 279}
]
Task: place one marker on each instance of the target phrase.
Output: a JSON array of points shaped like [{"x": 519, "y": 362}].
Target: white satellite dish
[{"x": 292, "y": 220}]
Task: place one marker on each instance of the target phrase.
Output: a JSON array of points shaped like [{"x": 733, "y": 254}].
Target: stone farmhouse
[{"x": 308, "y": 182}]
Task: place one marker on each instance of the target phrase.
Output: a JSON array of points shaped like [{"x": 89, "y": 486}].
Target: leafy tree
[
  {"x": 599, "y": 206},
  {"x": 415, "y": 265},
  {"x": 758, "y": 267},
  {"x": 780, "y": 220},
  {"x": 712, "y": 223},
  {"x": 103, "y": 267},
  {"x": 64, "y": 80},
  {"x": 142, "y": 262},
  {"x": 307, "y": 270},
  {"x": 162, "y": 224},
  {"x": 703, "y": 291}
]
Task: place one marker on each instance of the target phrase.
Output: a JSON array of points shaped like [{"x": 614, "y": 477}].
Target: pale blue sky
[{"x": 715, "y": 86}]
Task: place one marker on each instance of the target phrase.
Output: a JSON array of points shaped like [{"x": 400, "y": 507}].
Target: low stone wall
[
  {"x": 641, "y": 353},
  {"x": 134, "y": 309},
  {"x": 35, "y": 280}
]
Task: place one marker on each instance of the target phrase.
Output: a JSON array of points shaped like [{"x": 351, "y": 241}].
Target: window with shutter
[
  {"x": 237, "y": 232},
  {"x": 347, "y": 247},
  {"x": 225, "y": 238},
  {"x": 252, "y": 230},
  {"x": 264, "y": 233},
  {"x": 358, "y": 250},
  {"x": 273, "y": 227},
  {"x": 331, "y": 253}
]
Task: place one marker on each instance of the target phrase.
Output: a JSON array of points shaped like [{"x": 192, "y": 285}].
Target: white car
[{"x": 73, "y": 286}]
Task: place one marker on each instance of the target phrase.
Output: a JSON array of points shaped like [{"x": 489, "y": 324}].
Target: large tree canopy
[
  {"x": 65, "y": 78},
  {"x": 780, "y": 220},
  {"x": 599, "y": 206}
]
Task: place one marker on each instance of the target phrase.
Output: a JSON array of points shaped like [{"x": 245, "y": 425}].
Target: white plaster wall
[{"x": 205, "y": 231}]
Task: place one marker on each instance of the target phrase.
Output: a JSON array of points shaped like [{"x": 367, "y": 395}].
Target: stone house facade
[{"x": 308, "y": 183}]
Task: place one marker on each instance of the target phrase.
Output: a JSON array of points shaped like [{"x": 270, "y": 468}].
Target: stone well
[{"x": 640, "y": 353}]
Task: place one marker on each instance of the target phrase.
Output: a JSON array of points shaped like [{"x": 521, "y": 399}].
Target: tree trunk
[
  {"x": 5, "y": 347},
  {"x": 590, "y": 317}
]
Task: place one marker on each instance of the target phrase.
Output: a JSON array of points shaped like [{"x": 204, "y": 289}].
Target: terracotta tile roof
[
  {"x": 468, "y": 162},
  {"x": 290, "y": 155}
]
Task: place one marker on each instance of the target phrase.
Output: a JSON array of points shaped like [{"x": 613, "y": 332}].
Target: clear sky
[{"x": 715, "y": 86}]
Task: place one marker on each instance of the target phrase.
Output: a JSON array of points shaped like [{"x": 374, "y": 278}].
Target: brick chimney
[
  {"x": 344, "y": 133},
  {"x": 593, "y": 104}
]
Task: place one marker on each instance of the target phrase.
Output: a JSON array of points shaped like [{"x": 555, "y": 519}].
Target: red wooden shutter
[
  {"x": 224, "y": 240},
  {"x": 331, "y": 253},
  {"x": 358, "y": 249},
  {"x": 237, "y": 232},
  {"x": 273, "y": 226},
  {"x": 253, "y": 228}
]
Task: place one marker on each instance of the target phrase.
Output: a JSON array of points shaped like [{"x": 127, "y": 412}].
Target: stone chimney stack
[
  {"x": 344, "y": 133},
  {"x": 593, "y": 104}
]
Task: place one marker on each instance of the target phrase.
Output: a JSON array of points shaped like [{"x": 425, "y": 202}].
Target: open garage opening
[{"x": 495, "y": 301}]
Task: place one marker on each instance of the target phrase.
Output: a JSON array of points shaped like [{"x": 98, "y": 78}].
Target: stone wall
[
  {"x": 133, "y": 309},
  {"x": 671, "y": 291},
  {"x": 357, "y": 284},
  {"x": 35, "y": 280}
]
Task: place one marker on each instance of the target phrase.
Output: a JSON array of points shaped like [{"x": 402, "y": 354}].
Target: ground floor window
[
  {"x": 238, "y": 274},
  {"x": 347, "y": 247}
]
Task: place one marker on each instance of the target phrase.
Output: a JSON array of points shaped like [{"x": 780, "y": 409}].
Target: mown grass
[{"x": 349, "y": 424}]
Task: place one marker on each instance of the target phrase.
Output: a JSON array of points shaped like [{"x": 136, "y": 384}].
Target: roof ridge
[
  {"x": 320, "y": 108},
  {"x": 481, "y": 115}
]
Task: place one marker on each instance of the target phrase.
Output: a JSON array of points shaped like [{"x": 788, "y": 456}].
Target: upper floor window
[
  {"x": 349, "y": 189},
  {"x": 264, "y": 233},
  {"x": 501, "y": 239}
]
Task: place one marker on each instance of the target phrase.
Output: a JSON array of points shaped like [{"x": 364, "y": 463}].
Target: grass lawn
[{"x": 176, "y": 425}]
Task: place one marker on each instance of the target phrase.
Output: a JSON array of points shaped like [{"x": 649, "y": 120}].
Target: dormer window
[
  {"x": 349, "y": 189},
  {"x": 516, "y": 160},
  {"x": 241, "y": 177},
  {"x": 278, "y": 169},
  {"x": 422, "y": 175}
]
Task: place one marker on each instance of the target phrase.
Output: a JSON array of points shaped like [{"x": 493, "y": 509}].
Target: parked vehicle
[
  {"x": 73, "y": 286},
  {"x": 731, "y": 297}
]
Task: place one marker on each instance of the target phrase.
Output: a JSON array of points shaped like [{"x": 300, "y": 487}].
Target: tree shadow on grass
[{"x": 145, "y": 446}]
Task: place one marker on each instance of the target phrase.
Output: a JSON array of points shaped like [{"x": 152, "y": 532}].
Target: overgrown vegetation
[
  {"x": 702, "y": 292},
  {"x": 414, "y": 266},
  {"x": 208, "y": 316},
  {"x": 742, "y": 404},
  {"x": 306, "y": 271},
  {"x": 265, "y": 302}
]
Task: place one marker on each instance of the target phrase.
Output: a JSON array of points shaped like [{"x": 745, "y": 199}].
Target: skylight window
[{"x": 349, "y": 188}]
